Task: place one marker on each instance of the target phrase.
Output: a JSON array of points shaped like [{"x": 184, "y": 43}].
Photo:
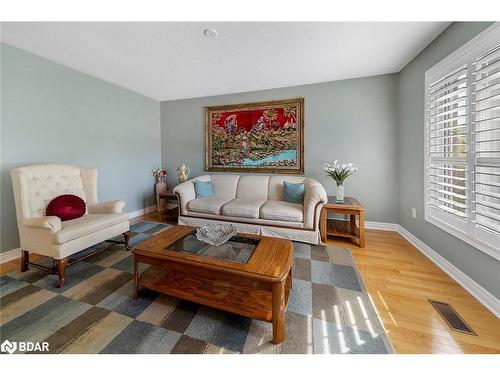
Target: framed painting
[{"x": 265, "y": 137}]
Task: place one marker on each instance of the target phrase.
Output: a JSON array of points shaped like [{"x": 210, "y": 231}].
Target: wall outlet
[{"x": 414, "y": 213}]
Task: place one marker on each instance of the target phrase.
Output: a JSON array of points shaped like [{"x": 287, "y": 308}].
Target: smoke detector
[{"x": 210, "y": 33}]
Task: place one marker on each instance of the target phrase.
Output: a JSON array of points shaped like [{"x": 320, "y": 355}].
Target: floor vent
[{"x": 451, "y": 317}]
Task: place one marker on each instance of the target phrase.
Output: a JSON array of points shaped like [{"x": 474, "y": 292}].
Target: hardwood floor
[{"x": 400, "y": 281}]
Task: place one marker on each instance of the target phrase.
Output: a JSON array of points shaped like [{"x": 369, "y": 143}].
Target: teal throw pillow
[
  {"x": 293, "y": 193},
  {"x": 203, "y": 189}
]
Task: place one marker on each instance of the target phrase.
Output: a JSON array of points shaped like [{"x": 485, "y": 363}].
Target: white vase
[{"x": 339, "y": 193}]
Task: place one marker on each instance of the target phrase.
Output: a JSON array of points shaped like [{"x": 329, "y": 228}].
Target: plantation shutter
[
  {"x": 447, "y": 190},
  {"x": 462, "y": 142},
  {"x": 486, "y": 130}
]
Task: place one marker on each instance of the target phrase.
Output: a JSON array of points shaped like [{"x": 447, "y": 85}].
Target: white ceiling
[{"x": 167, "y": 61}]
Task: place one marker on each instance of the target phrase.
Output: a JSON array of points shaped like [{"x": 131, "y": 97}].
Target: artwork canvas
[{"x": 256, "y": 137}]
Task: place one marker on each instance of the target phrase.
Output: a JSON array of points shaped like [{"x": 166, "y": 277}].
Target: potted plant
[{"x": 339, "y": 173}]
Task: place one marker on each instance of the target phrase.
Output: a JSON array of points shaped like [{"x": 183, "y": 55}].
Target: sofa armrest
[
  {"x": 186, "y": 192},
  {"x": 110, "y": 207},
  {"x": 53, "y": 223},
  {"x": 314, "y": 198}
]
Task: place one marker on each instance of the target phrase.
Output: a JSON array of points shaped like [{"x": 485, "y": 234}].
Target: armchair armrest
[
  {"x": 186, "y": 192},
  {"x": 53, "y": 223},
  {"x": 110, "y": 207},
  {"x": 314, "y": 198}
]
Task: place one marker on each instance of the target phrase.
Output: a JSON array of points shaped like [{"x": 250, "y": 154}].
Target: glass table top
[{"x": 237, "y": 249}]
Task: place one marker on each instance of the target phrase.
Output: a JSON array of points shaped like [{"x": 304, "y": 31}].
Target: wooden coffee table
[{"x": 257, "y": 288}]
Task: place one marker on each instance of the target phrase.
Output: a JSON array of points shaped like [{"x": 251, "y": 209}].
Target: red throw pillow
[{"x": 66, "y": 207}]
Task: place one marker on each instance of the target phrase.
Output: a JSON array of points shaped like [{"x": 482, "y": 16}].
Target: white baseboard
[
  {"x": 142, "y": 211},
  {"x": 9, "y": 255},
  {"x": 381, "y": 226},
  {"x": 482, "y": 295}
]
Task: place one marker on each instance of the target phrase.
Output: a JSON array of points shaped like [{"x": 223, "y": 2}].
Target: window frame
[{"x": 463, "y": 56}]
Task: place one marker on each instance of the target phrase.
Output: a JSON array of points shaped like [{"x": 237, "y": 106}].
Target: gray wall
[
  {"x": 352, "y": 120},
  {"x": 477, "y": 265},
  {"x": 54, "y": 114}
]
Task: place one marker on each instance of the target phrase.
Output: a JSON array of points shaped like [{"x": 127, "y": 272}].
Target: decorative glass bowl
[{"x": 215, "y": 234}]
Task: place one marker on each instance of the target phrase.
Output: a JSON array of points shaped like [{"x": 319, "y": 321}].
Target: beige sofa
[
  {"x": 35, "y": 186},
  {"x": 254, "y": 204}
]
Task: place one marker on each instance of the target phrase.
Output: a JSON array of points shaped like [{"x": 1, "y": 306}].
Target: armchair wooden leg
[
  {"x": 60, "y": 266},
  {"x": 25, "y": 259},
  {"x": 126, "y": 237}
]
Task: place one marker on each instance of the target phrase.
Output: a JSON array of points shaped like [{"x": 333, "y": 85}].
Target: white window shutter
[
  {"x": 462, "y": 142},
  {"x": 486, "y": 128},
  {"x": 447, "y": 188}
]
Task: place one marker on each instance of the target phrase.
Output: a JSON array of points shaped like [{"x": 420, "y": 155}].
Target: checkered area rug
[{"x": 329, "y": 310}]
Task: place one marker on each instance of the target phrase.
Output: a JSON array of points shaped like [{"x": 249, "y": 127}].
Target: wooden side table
[
  {"x": 171, "y": 211},
  {"x": 330, "y": 227}
]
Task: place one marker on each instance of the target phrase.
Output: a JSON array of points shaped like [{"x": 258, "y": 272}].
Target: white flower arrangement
[{"x": 339, "y": 172}]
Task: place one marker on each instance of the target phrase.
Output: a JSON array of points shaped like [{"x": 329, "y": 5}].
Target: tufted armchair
[{"x": 34, "y": 187}]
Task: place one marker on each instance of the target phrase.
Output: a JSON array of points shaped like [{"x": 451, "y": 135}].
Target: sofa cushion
[
  {"x": 203, "y": 189},
  {"x": 42, "y": 183},
  {"x": 276, "y": 186},
  {"x": 243, "y": 208},
  {"x": 210, "y": 205},
  {"x": 66, "y": 207},
  {"x": 293, "y": 193},
  {"x": 284, "y": 211},
  {"x": 252, "y": 187},
  {"x": 86, "y": 224},
  {"x": 225, "y": 185}
]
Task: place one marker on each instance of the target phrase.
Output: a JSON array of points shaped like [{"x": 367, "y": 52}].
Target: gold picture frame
[{"x": 259, "y": 137}]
